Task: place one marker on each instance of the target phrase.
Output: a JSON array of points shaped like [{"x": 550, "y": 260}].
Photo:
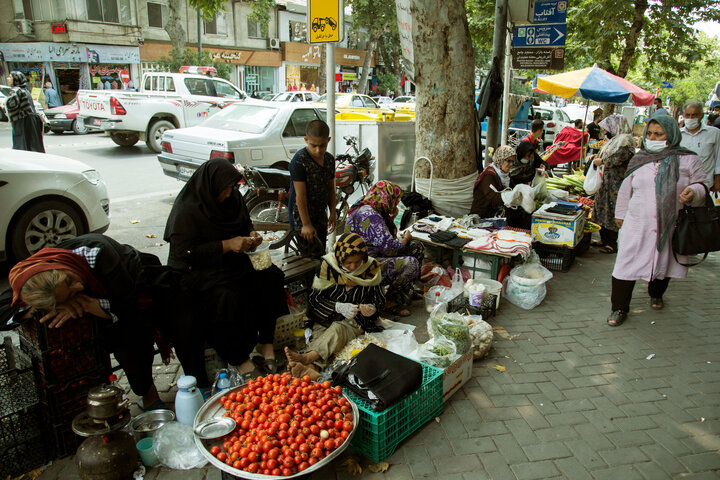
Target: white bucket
[
  {"x": 477, "y": 291},
  {"x": 492, "y": 287}
]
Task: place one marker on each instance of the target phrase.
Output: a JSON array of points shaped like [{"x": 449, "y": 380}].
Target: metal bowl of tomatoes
[{"x": 286, "y": 427}]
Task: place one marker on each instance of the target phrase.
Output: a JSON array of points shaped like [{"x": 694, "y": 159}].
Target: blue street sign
[
  {"x": 666, "y": 84},
  {"x": 550, "y": 11},
  {"x": 539, "y": 35}
]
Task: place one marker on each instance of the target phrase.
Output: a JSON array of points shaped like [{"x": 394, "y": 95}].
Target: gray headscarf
[
  {"x": 621, "y": 135},
  {"x": 667, "y": 175}
]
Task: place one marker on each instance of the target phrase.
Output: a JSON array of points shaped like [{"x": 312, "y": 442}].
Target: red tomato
[
  {"x": 215, "y": 450},
  {"x": 329, "y": 444},
  {"x": 286, "y": 472},
  {"x": 237, "y": 464},
  {"x": 222, "y": 456}
]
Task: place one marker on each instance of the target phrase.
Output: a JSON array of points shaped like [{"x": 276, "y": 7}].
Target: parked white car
[
  {"x": 555, "y": 120},
  {"x": 45, "y": 199},
  {"x": 297, "y": 96},
  {"x": 255, "y": 133},
  {"x": 164, "y": 102}
]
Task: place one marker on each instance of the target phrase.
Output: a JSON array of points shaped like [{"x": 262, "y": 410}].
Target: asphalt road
[{"x": 141, "y": 195}]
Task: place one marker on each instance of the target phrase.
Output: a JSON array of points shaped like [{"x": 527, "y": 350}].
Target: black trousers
[
  {"x": 622, "y": 292},
  {"x": 609, "y": 237}
]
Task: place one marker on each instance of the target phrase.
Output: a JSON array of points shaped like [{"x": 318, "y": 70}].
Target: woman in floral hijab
[{"x": 400, "y": 259}]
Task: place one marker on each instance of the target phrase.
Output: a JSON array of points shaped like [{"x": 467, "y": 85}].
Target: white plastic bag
[
  {"x": 451, "y": 326},
  {"x": 525, "y": 286},
  {"x": 398, "y": 341},
  {"x": 174, "y": 445},
  {"x": 438, "y": 352},
  {"x": 593, "y": 179}
]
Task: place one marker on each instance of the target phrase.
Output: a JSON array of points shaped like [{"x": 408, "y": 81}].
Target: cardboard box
[
  {"x": 559, "y": 230},
  {"x": 457, "y": 374}
]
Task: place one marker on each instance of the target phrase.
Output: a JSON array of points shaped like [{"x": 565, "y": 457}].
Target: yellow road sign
[{"x": 325, "y": 21}]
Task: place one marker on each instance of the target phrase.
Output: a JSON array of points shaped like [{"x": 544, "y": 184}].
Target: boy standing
[{"x": 312, "y": 186}]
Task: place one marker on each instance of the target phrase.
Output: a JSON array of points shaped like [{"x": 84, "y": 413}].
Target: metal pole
[
  {"x": 498, "y": 52},
  {"x": 506, "y": 91},
  {"x": 330, "y": 91},
  {"x": 199, "y": 33}
]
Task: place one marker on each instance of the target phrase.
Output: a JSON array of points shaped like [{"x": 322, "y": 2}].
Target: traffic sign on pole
[
  {"x": 551, "y": 35},
  {"x": 325, "y": 21},
  {"x": 550, "y": 11}
]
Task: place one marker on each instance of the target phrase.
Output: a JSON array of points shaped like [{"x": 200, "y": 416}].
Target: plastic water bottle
[
  {"x": 188, "y": 400},
  {"x": 226, "y": 378},
  {"x": 223, "y": 382}
]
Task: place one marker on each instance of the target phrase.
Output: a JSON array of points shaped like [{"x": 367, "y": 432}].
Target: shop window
[
  {"x": 103, "y": 10},
  {"x": 298, "y": 31},
  {"x": 28, "y": 10},
  {"x": 200, "y": 86},
  {"x": 155, "y": 15},
  {"x": 254, "y": 30},
  {"x": 297, "y": 125},
  {"x": 216, "y": 26}
]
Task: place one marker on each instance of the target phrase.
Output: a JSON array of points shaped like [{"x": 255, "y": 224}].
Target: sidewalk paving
[{"x": 579, "y": 399}]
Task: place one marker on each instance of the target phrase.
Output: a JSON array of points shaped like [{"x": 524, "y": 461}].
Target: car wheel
[
  {"x": 79, "y": 127},
  {"x": 125, "y": 139},
  {"x": 44, "y": 224},
  {"x": 154, "y": 138},
  {"x": 265, "y": 207}
]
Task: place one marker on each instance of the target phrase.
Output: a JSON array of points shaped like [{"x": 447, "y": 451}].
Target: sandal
[
  {"x": 608, "y": 249},
  {"x": 617, "y": 318},
  {"x": 597, "y": 243},
  {"x": 157, "y": 405},
  {"x": 270, "y": 365},
  {"x": 657, "y": 303}
]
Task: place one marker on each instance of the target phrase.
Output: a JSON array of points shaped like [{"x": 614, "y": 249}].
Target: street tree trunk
[
  {"x": 362, "y": 87},
  {"x": 444, "y": 125},
  {"x": 632, "y": 38},
  {"x": 174, "y": 25}
]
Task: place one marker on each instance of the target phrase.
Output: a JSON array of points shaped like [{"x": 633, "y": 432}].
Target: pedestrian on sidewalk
[
  {"x": 702, "y": 140},
  {"x": 647, "y": 205},
  {"x": 27, "y": 126},
  {"x": 51, "y": 96}
]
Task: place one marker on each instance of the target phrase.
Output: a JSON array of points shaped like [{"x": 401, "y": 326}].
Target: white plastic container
[
  {"x": 477, "y": 292},
  {"x": 188, "y": 400},
  {"x": 492, "y": 287}
]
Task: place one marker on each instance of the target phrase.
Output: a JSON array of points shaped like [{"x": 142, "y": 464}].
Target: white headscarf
[{"x": 621, "y": 135}]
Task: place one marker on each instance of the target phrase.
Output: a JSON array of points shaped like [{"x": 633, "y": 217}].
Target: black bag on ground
[
  {"x": 697, "y": 230},
  {"x": 379, "y": 376}
]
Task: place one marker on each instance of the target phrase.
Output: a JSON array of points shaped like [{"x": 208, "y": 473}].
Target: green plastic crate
[{"x": 378, "y": 434}]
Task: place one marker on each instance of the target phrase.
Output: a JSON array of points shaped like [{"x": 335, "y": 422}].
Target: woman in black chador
[{"x": 27, "y": 126}]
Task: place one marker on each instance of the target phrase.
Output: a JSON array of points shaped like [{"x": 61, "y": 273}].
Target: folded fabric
[
  {"x": 442, "y": 237},
  {"x": 458, "y": 242}
]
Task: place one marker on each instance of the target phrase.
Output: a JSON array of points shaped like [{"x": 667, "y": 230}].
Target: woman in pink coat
[{"x": 659, "y": 179}]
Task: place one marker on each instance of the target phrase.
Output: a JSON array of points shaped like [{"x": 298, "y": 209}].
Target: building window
[
  {"x": 155, "y": 15},
  {"x": 298, "y": 31},
  {"x": 254, "y": 30},
  {"x": 103, "y": 10},
  {"x": 216, "y": 26}
]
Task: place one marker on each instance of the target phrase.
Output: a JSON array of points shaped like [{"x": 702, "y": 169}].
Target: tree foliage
[
  {"x": 190, "y": 57},
  {"x": 208, "y": 7}
]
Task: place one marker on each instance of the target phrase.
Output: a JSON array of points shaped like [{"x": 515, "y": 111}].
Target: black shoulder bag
[
  {"x": 380, "y": 377},
  {"x": 697, "y": 230}
]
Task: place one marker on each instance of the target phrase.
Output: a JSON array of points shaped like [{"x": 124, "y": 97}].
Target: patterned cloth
[
  {"x": 400, "y": 263},
  {"x": 384, "y": 198},
  {"x": 332, "y": 272},
  {"x": 317, "y": 188},
  {"x": 614, "y": 168}
]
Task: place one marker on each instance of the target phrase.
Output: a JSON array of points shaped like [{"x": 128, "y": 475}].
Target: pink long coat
[{"x": 638, "y": 257}]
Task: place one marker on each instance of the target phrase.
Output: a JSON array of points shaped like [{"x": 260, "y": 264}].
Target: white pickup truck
[{"x": 164, "y": 102}]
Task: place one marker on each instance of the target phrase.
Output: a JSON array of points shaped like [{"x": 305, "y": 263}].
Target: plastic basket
[
  {"x": 81, "y": 331},
  {"x": 487, "y": 308},
  {"x": 66, "y": 441},
  {"x": 24, "y": 457},
  {"x": 18, "y": 387},
  {"x": 378, "y": 434},
  {"x": 62, "y": 402},
  {"x": 557, "y": 259},
  {"x": 285, "y": 328},
  {"x": 21, "y": 426}
]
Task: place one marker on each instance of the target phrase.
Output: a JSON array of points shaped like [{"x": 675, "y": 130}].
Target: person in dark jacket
[
  {"x": 121, "y": 288},
  {"x": 209, "y": 230},
  {"x": 27, "y": 126},
  {"x": 487, "y": 201}
]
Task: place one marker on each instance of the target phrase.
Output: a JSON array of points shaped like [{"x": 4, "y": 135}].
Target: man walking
[
  {"x": 703, "y": 140},
  {"x": 51, "y": 96}
]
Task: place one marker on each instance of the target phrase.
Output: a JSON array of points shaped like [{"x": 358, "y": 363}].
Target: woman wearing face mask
[
  {"x": 487, "y": 201},
  {"x": 659, "y": 180},
  {"x": 528, "y": 163},
  {"x": 344, "y": 302}
]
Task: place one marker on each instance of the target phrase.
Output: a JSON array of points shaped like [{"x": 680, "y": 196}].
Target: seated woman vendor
[
  {"x": 236, "y": 307},
  {"x": 487, "y": 201},
  {"x": 344, "y": 303},
  {"x": 95, "y": 276}
]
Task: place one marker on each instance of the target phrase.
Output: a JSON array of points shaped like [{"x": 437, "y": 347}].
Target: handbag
[
  {"x": 379, "y": 376},
  {"x": 697, "y": 230}
]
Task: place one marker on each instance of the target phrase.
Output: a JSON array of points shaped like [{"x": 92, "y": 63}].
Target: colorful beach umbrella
[{"x": 595, "y": 84}]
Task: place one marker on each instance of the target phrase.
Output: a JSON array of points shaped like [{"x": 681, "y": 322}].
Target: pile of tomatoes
[{"x": 284, "y": 424}]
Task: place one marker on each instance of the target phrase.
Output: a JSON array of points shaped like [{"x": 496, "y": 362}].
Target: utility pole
[
  {"x": 199, "y": 33},
  {"x": 499, "y": 38}
]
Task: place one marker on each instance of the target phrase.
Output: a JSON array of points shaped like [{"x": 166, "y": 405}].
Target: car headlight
[
  {"x": 92, "y": 176},
  {"x": 60, "y": 115}
]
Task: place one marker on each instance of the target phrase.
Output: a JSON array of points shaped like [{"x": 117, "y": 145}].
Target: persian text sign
[
  {"x": 538, "y": 58},
  {"x": 550, "y": 11},
  {"x": 325, "y": 21}
]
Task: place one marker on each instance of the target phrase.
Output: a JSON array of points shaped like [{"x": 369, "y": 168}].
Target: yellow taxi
[
  {"x": 404, "y": 104},
  {"x": 355, "y": 106}
]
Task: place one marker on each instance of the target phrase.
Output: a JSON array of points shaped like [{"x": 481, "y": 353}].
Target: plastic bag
[
  {"x": 401, "y": 342},
  {"x": 539, "y": 184},
  {"x": 451, "y": 326},
  {"x": 593, "y": 179},
  {"x": 525, "y": 286},
  {"x": 435, "y": 275},
  {"x": 438, "y": 352},
  {"x": 233, "y": 378},
  {"x": 481, "y": 334},
  {"x": 174, "y": 445}
]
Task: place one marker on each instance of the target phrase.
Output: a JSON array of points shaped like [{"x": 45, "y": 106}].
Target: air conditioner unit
[
  {"x": 25, "y": 27},
  {"x": 274, "y": 43}
]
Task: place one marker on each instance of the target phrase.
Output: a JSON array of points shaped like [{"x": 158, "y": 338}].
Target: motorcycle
[{"x": 267, "y": 188}]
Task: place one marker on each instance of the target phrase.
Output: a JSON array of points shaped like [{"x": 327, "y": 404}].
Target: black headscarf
[
  {"x": 524, "y": 172},
  {"x": 667, "y": 175},
  {"x": 197, "y": 212}
]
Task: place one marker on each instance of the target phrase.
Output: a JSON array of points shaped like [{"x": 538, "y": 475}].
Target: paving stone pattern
[{"x": 579, "y": 399}]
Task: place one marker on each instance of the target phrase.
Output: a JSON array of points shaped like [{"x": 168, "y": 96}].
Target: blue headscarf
[{"x": 667, "y": 175}]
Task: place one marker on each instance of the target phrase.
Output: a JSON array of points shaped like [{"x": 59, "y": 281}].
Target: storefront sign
[
  {"x": 405, "y": 27},
  {"x": 68, "y": 52},
  {"x": 304, "y": 53},
  {"x": 58, "y": 28},
  {"x": 349, "y": 76},
  {"x": 538, "y": 58},
  {"x": 325, "y": 21}
]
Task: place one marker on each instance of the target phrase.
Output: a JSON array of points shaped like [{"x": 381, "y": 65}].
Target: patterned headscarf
[
  {"x": 52, "y": 259},
  {"x": 667, "y": 175},
  {"x": 620, "y": 132},
  {"x": 501, "y": 154},
  {"x": 384, "y": 198},
  {"x": 332, "y": 273}
]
